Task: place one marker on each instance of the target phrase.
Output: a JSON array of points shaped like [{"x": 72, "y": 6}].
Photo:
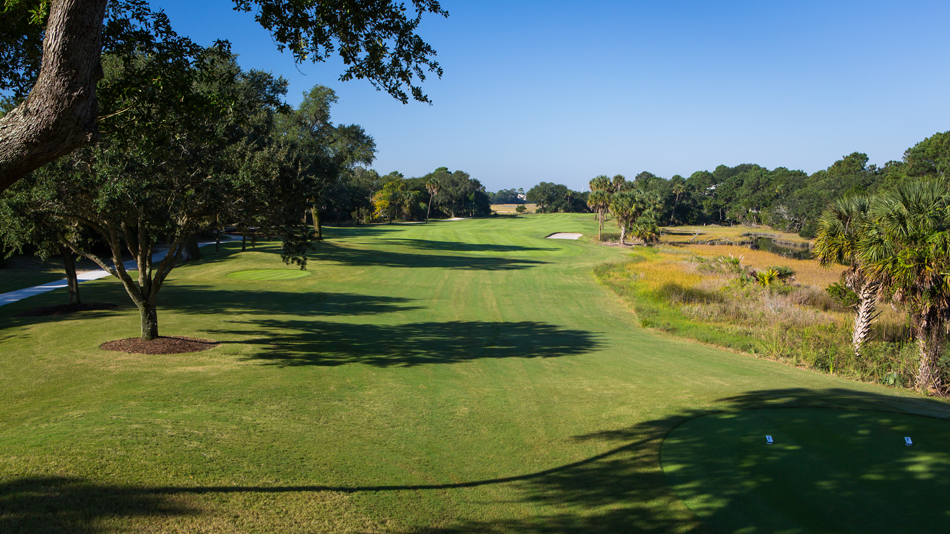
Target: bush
[
  {"x": 785, "y": 274},
  {"x": 843, "y": 295}
]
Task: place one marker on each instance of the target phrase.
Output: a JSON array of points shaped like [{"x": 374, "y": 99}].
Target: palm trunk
[
  {"x": 865, "y": 316},
  {"x": 72, "y": 281},
  {"x": 149, "y": 314},
  {"x": 623, "y": 234},
  {"x": 930, "y": 346},
  {"x": 429, "y": 209}
]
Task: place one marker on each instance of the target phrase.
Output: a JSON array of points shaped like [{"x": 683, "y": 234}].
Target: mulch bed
[
  {"x": 159, "y": 345},
  {"x": 65, "y": 308}
]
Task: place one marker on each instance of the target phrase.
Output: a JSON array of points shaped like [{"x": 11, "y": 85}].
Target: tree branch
[{"x": 59, "y": 115}]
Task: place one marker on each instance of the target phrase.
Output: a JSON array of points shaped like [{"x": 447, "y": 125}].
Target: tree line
[{"x": 788, "y": 200}]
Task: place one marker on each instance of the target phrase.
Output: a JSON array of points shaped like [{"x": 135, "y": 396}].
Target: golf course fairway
[{"x": 449, "y": 377}]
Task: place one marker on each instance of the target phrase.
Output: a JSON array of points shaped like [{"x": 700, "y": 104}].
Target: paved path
[{"x": 20, "y": 294}]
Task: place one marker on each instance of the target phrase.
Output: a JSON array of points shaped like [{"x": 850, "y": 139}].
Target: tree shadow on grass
[
  {"x": 351, "y": 232},
  {"x": 198, "y": 299},
  {"x": 11, "y": 325},
  {"x": 73, "y": 505},
  {"x": 622, "y": 489},
  {"x": 301, "y": 343},
  {"x": 373, "y": 257},
  {"x": 626, "y": 490}
]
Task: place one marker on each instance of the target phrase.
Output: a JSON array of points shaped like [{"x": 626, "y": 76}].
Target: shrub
[
  {"x": 767, "y": 277},
  {"x": 785, "y": 274},
  {"x": 843, "y": 295}
]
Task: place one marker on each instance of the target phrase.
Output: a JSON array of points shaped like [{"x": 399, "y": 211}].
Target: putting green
[
  {"x": 268, "y": 274},
  {"x": 828, "y": 471}
]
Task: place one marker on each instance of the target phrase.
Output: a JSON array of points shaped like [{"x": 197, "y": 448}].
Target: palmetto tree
[
  {"x": 840, "y": 230},
  {"x": 678, "y": 189},
  {"x": 628, "y": 206},
  {"x": 907, "y": 248},
  {"x": 599, "y": 199},
  {"x": 432, "y": 186}
]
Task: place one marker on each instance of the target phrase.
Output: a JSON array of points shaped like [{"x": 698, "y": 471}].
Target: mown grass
[
  {"x": 463, "y": 376},
  {"x": 268, "y": 274}
]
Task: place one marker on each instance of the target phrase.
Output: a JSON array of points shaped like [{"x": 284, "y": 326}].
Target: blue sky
[{"x": 561, "y": 91}]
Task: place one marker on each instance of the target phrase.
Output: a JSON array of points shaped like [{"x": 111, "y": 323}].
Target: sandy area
[{"x": 562, "y": 235}]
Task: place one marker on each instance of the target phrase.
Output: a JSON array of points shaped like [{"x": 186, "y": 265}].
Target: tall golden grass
[{"x": 705, "y": 292}]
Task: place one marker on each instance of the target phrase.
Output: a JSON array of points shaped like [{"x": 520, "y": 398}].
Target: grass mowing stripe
[{"x": 268, "y": 274}]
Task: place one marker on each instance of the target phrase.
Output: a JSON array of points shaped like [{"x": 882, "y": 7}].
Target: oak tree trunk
[
  {"x": 317, "y": 224},
  {"x": 149, "y": 314},
  {"x": 72, "y": 281},
  {"x": 191, "y": 250},
  {"x": 59, "y": 115}
]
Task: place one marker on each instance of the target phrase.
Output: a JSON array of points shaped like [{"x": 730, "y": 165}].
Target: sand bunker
[{"x": 562, "y": 235}]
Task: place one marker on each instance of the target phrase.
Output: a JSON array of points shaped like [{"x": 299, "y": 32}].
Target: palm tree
[
  {"x": 598, "y": 200},
  {"x": 840, "y": 230},
  {"x": 678, "y": 189},
  {"x": 907, "y": 248},
  {"x": 619, "y": 184},
  {"x": 628, "y": 206},
  {"x": 432, "y": 186}
]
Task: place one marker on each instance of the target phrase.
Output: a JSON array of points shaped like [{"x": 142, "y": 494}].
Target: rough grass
[
  {"x": 704, "y": 292},
  {"x": 465, "y": 376},
  {"x": 693, "y": 234},
  {"x": 513, "y": 208}
]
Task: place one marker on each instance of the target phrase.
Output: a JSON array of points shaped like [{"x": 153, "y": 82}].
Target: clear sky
[{"x": 562, "y": 91}]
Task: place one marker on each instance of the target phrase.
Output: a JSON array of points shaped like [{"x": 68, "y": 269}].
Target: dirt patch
[
  {"x": 159, "y": 345},
  {"x": 65, "y": 308}
]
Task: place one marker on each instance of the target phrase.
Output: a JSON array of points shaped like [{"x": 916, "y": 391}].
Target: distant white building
[{"x": 522, "y": 196}]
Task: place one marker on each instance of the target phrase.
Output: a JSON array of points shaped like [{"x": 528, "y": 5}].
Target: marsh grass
[{"x": 706, "y": 293}]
